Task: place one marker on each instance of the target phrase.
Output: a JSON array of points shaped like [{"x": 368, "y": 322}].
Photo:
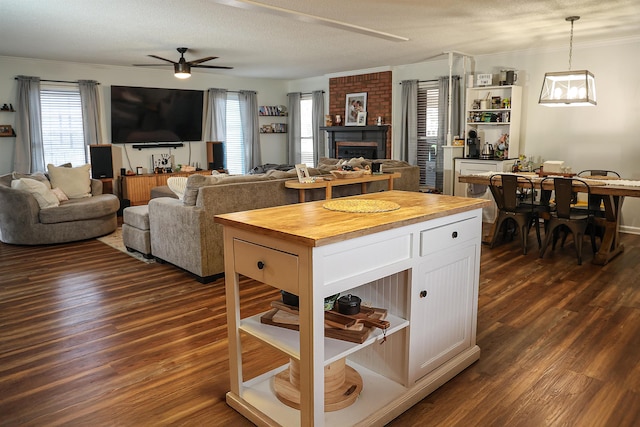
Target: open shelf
[
  {"x": 377, "y": 391},
  {"x": 288, "y": 341}
]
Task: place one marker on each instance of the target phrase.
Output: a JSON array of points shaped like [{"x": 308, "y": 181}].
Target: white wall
[
  {"x": 270, "y": 92},
  {"x": 605, "y": 136}
]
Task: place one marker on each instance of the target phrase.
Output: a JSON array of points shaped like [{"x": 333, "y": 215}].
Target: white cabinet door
[{"x": 442, "y": 320}]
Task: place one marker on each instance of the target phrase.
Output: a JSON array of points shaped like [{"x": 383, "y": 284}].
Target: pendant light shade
[
  {"x": 568, "y": 88},
  {"x": 577, "y": 88},
  {"x": 182, "y": 70}
]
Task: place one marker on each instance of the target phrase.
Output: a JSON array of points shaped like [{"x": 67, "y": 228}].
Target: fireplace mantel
[{"x": 377, "y": 134}]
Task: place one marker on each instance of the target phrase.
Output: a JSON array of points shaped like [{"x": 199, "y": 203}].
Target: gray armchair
[{"x": 22, "y": 222}]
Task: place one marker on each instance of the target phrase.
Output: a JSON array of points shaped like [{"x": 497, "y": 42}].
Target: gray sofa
[
  {"x": 183, "y": 233},
  {"x": 22, "y": 222}
]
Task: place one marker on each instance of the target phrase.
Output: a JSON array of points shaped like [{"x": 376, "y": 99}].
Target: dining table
[{"x": 611, "y": 192}]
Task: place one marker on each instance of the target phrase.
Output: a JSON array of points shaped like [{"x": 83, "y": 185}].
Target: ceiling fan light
[{"x": 182, "y": 70}]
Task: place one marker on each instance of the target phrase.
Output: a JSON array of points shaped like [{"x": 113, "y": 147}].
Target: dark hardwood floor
[{"x": 90, "y": 336}]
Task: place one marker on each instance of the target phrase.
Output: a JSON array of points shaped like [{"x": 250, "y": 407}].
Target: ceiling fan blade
[
  {"x": 212, "y": 66},
  {"x": 201, "y": 60},
  {"x": 151, "y": 65},
  {"x": 162, "y": 59}
]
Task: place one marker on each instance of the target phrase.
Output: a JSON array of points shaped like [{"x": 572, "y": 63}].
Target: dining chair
[
  {"x": 515, "y": 197},
  {"x": 597, "y": 172},
  {"x": 566, "y": 218},
  {"x": 594, "y": 201}
]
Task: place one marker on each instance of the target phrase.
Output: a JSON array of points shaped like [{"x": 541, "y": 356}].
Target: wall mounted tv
[{"x": 143, "y": 114}]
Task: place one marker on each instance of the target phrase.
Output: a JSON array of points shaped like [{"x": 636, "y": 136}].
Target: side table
[{"x": 328, "y": 185}]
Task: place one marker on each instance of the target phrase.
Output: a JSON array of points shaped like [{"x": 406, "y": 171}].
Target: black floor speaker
[
  {"x": 215, "y": 155},
  {"x": 106, "y": 160}
]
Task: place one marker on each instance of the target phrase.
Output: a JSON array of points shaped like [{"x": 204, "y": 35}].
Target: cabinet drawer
[
  {"x": 273, "y": 267},
  {"x": 444, "y": 237}
]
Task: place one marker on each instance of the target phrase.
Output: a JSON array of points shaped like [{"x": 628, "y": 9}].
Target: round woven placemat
[{"x": 361, "y": 206}]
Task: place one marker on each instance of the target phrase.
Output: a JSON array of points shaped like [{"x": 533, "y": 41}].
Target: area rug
[{"x": 115, "y": 241}]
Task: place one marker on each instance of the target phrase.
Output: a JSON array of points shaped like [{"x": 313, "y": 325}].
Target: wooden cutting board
[{"x": 352, "y": 335}]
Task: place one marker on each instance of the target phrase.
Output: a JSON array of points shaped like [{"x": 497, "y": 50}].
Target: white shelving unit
[{"x": 491, "y": 123}]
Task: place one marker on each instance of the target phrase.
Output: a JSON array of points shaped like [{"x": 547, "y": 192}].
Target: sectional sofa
[{"x": 183, "y": 232}]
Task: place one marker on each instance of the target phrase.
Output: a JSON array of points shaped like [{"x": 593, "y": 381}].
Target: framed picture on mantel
[{"x": 356, "y": 103}]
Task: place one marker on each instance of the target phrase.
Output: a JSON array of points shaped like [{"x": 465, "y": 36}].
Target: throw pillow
[
  {"x": 43, "y": 195},
  {"x": 194, "y": 182},
  {"x": 59, "y": 194},
  {"x": 74, "y": 182},
  {"x": 177, "y": 184},
  {"x": 38, "y": 176},
  {"x": 276, "y": 174}
]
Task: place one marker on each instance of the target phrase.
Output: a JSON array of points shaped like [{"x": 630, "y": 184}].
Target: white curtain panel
[
  {"x": 216, "y": 115},
  {"x": 90, "y": 102},
  {"x": 250, "y": 128}
]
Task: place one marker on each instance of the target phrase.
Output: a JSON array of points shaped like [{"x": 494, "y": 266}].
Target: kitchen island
[{"x": 419, "y": 260}]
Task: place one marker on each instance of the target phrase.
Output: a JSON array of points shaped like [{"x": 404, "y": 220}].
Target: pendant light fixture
[{"x": 568, "y": 88}]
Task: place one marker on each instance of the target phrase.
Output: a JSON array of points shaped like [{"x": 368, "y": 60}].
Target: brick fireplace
[{"x": 378, "y": 87}]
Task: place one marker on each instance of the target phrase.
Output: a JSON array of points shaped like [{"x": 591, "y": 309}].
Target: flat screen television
[{"x": 144, "y": 114}]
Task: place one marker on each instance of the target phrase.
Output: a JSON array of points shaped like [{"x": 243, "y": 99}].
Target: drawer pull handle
[
  {"x": 423, "y": 294},
  {"x": 260, "y": 265},
  {"x": 454, "y": 234}
]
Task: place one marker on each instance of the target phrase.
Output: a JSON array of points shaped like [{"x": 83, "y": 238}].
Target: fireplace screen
[{"x": 350, "y": 149}]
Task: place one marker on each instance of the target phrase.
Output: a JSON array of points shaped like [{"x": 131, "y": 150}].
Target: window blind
[
  {"x": 62, "y": 129},
  {"x": 234, "y": 143},
  {"x": 306, "y": 130}
]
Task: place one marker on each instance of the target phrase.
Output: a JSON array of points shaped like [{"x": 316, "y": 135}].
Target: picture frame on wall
[
  {"x": 6, "y": 130},
  {"x": 355, "y": 103},
  {"x": 362, "y": 118}
]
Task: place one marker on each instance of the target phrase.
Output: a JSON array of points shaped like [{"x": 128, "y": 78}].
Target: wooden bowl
[{"x": 347, "y": 174}]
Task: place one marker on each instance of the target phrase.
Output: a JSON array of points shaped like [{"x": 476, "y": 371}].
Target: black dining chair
[
  {"x": 595, "y": 201},
  {"x": 515, "y": 197},
  {"x": 588, "y": 173},
  {"x": 566, "y": 218}
]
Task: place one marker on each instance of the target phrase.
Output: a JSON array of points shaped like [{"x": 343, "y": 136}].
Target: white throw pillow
[
  {"x": 59, "y": 194},
  {"x": 177, "y": 184},
  {"x": 43, "y": 195},
  {"x": 74, "y": 182}
]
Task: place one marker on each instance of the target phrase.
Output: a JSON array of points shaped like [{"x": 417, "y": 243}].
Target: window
[
  {"x": 62, "y": 129},
  {"x": 306, "y": 130},
  {"x": 428, "y": 98},
  {"x": 234, "y": 143}
]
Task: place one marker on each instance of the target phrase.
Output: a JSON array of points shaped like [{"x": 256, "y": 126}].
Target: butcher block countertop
[{"x": 310, "y": 224}]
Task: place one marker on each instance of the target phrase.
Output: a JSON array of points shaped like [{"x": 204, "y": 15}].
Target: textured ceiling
[{"x": 261, "y": 42}]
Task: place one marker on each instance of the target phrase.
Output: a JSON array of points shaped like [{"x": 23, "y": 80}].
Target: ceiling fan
[{"x": 182, "y": 68}]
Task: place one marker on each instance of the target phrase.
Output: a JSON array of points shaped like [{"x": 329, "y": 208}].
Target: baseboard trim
[{"x": 629, "y": 229}]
